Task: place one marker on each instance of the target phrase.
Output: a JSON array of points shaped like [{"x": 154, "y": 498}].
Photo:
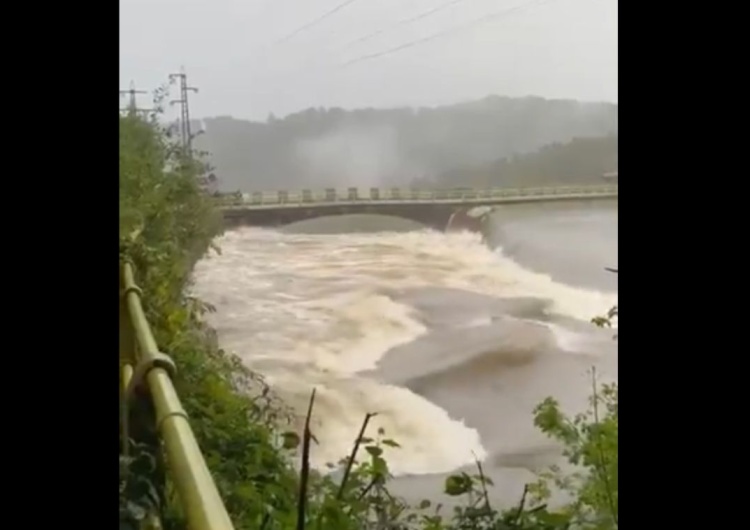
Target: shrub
[{"x": 167, "y": 223}]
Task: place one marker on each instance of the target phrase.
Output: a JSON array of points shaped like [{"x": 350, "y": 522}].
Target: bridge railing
[
  {"x": 358, "y": 195},
  {"x": 144, "y": 364}
]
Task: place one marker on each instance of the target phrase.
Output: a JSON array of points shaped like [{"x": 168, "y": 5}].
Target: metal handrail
[
  {"x": 405, "y": 195},
  {"x": 195, "y": 486}
]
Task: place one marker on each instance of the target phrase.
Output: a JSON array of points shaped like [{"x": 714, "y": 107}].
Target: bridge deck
[{"x": 329, "y": 198}]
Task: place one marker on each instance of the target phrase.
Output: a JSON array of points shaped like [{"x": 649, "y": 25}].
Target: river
[{"x": 451, "y": 341}]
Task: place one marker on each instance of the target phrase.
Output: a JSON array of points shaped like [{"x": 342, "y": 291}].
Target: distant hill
[
  {"x": 580, "y": 161},
  {"x": 384, "y": 147}
]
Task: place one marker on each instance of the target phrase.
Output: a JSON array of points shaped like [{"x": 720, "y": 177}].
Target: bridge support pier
[{"x": 469, "y": 219}]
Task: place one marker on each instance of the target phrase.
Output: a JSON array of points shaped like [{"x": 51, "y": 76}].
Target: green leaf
[
  {"x": 390, "y": 443},
  {"x": 379, "y": 466},
  {"x": 374, "y": 450},
  {"x": 291, "y": 440},
  {"x": 456, "y": 485}
]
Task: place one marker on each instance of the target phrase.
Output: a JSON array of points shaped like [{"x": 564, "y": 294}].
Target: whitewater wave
[
  {"x": 431, "y": 441},
  {"x": 312, "y": 310}
]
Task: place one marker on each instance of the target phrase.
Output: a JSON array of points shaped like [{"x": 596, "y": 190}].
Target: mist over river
[{"x": 450, "y": 340}]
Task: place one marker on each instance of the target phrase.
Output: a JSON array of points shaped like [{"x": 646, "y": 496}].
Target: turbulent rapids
[{"x": 450, "y": 340}]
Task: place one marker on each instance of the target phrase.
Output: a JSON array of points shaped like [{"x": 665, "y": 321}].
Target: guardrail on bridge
[
  {"x": 145, "y": 364},
  {"x": 357, "y": 195}
]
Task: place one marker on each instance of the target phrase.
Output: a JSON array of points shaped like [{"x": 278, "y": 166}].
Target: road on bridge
[{"x": 433, "y": 208}]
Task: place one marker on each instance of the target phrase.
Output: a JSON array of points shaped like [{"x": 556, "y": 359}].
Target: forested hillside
[
  {"x": 580, "y": 161},
  {"x": 373, "y": 147}
]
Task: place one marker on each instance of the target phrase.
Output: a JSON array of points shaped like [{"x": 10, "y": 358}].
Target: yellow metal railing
[
  {"x": 389, "y": 195},
  {"x": 143, "y": 363}
]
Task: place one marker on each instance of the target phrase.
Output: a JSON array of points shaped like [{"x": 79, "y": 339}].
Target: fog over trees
[{"x": 495, "y": 141}]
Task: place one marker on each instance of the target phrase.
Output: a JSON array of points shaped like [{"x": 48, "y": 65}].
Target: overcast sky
[{"x": 237, "y": 52}]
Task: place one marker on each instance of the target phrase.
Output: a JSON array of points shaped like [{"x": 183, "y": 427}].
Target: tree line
[{"x": 319, "y": 148}]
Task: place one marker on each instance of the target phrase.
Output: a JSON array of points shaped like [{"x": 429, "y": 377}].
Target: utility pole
[
  {"x": 187, "y": 137},
  {"x": 132, "y": 107}
]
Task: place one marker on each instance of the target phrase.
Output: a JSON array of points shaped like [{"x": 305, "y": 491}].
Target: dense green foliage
[
  {"x": 166, "y": 224},
  {"x": 318, "y": 148}
]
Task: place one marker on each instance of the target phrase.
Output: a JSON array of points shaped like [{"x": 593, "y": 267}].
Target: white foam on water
[
  {"x": 313, "y": 311},
  {"x": 567, "y": 340},
  {"x": 362, "y": 327},
  {"x": 431, "y": 441}
]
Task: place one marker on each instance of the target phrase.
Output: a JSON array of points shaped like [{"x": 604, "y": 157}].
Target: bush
[
  {"x": 167, "y": 223},
  {"x": 590, "y": 442}
]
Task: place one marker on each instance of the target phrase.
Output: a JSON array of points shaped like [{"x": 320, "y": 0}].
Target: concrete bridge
[{"x": 440, "y": 209}]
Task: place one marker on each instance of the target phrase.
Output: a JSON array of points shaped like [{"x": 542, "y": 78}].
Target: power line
[
  {"x": 318, "y": 20},
  {"x": 406, "y": 21},
  {"x": 455, "y": 29}
]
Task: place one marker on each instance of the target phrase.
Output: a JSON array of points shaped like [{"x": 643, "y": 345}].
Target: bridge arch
[{"x": 437, "y": 217}]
